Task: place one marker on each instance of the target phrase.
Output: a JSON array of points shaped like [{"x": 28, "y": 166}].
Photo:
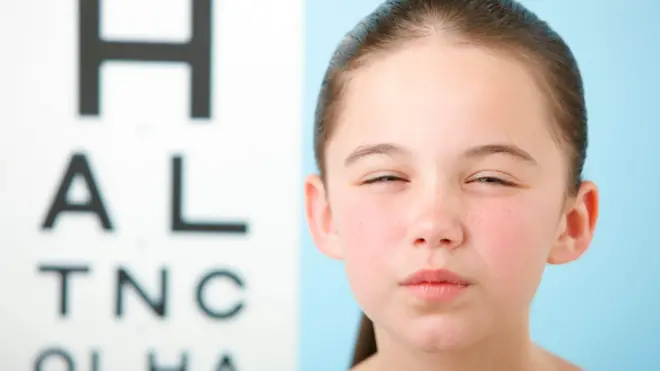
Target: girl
[{"x": 450, "y": 136}]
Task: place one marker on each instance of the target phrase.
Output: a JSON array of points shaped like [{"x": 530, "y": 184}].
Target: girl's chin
[{"x": 441, "y": 332}]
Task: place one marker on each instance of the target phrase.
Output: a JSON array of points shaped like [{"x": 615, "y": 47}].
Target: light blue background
[{"x": 601, "y": 311}]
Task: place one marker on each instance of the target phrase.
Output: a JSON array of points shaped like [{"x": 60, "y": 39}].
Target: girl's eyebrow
[
  {"x": 387, "y": 149},
  {"x": 507, "y": 149}
]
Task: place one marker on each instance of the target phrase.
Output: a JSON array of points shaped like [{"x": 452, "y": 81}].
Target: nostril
[{"x": 440, "y": 243}]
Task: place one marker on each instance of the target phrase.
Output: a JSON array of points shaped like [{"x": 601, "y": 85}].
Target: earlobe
[
  {"x": 319, "y": 217},
  {"x": 578, "y": 226}
]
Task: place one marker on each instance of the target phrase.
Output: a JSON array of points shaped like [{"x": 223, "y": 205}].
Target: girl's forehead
[
  {"x": 430, "y": 74},
  {"x": 442, "y": 93},
  {"x": 436, "y": 61}
]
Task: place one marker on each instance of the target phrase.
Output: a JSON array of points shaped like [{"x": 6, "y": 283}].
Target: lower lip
[{"x": 437, "y": 292}]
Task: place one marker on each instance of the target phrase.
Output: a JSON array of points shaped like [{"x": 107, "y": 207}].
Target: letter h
[{"x": 196, "y": 53}]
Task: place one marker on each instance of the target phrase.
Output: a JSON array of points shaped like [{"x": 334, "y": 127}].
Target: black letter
[
  {"x": 95, "y": 360},
  {"x": 50, "y": 353},
  {"x": 154, "y": 367},
  {"x": 196, "y": 53},
  {"x": 180, "y": 225},
  {"x": 226, "y": 364},
  {"x": 157, "y": 306},
  {"x": 200, "y": 299},
  {"x": 78, "y": 166},
  {"x": 64, "y": 287}
]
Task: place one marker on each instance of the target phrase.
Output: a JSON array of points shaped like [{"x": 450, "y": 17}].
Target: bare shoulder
[
  {"x": 564, "y": 365},
  {"x": 560, "y": 364},
  {"x": 368, "y": 364},
  {"x": 552, "y": 362}
]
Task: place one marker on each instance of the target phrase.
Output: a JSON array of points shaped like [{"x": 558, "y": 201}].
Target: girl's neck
[{"x": 510, "y": 350}]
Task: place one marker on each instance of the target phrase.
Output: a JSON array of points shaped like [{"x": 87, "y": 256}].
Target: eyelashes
[
  {"x": 493, "y": 180},
  {"x": 384, "y": 179},
  {"x": 487, "y": 180}
]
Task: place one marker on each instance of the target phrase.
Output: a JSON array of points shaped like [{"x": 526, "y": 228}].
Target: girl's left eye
[
  {"x": 383, "y": 179},
  {"x": 492, "y": 180}
]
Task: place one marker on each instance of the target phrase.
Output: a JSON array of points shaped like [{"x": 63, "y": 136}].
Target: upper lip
[{"x": 434, "y": 276}]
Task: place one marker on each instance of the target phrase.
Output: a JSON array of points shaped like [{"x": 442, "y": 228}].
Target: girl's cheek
[
  {"x": 512, "y": 247},
  {"x": 369, "y": 230},
  {"x": 369, "y": 233}
]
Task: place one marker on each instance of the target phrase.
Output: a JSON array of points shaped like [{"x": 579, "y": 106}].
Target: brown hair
[{"x": 497, "y": 24}]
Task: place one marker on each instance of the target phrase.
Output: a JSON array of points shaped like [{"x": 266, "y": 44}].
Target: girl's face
[{"x": 443, "y": 159}]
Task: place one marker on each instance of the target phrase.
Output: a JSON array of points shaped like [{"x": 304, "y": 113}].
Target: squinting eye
[
  {"x": 493, "y": 180},
  {"x": 383, "y": 179}
]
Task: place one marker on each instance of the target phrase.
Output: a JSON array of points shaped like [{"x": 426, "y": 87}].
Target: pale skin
[{"x": 443, "y": 157}]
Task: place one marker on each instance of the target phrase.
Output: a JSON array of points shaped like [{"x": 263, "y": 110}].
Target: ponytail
[{"x": 365, "y": 345}]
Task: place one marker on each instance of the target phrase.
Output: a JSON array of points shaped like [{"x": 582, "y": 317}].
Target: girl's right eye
[{"x": 383, "y": 179}]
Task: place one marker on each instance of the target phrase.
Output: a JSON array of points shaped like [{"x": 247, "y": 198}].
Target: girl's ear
[
  {"x": 577, "y": 226},
  {"x": 319, "y": 218}
]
